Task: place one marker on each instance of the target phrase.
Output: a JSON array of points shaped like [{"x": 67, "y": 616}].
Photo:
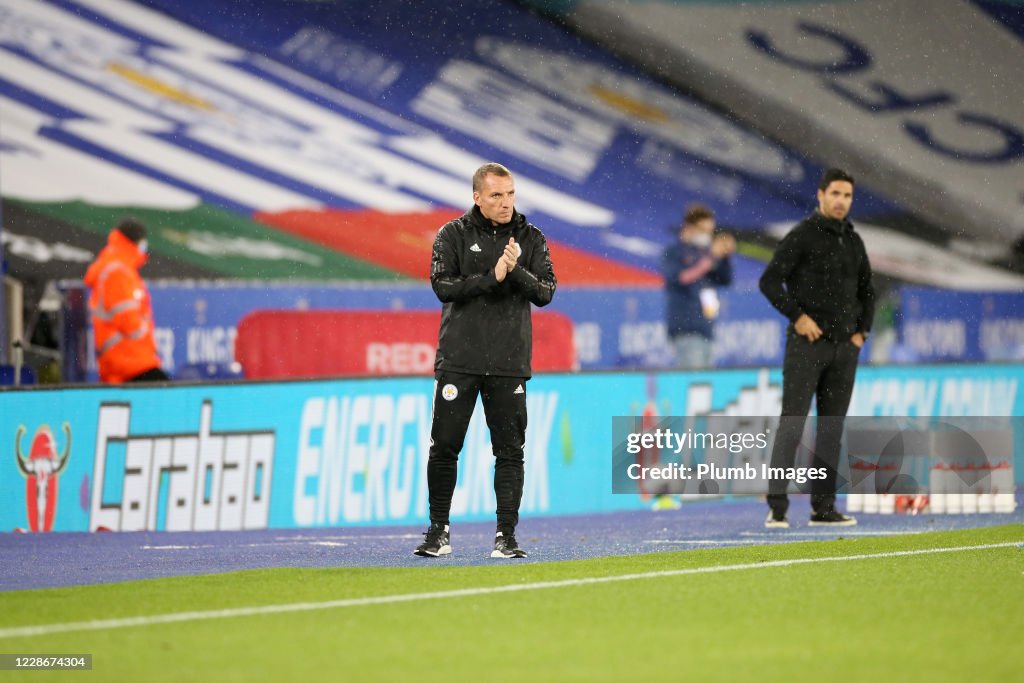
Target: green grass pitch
[{"x": 950, "y": 616}]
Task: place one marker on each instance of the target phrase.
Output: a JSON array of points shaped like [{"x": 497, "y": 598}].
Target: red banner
[
  {"x": 403, "y": 242},
  {"x": 285, "y": 344}
]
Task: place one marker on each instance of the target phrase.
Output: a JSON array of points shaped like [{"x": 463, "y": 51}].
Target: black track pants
[{"x": 504, "y": 400}]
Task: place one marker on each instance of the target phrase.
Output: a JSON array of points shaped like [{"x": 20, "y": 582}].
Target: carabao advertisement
[
  {"x": 249, "y": 456},
  {"x": 353, "y": 452}
]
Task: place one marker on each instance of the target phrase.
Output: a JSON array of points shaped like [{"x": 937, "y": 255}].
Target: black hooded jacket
[
  {"x": 486, "y": 327},
  {"x": 821, "y": 268}
]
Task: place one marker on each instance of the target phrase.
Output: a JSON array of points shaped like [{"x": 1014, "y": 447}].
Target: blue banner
[
  {"x": 3, "y": 297},
  {"x": 946, "y": 325},
  {"x": 353, "y": 452},
  {"x": 621, "y": 328}
]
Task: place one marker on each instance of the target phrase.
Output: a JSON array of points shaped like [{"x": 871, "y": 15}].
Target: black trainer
[
  {"x": 435, "y": 542},
  {"x": 776, "y": 520},
  {"x": 505, "y": 545},
  {"x": 831, "y": 517}
]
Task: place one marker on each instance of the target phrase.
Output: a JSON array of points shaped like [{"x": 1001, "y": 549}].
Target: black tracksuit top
[
  {"x": 821, "y": 268},
  {"x": 485, "y": 324}
]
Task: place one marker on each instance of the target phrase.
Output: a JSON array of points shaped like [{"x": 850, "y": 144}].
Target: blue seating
[
  {"x": 208, "y": 371},
  {"x": 28, "y": 375}
]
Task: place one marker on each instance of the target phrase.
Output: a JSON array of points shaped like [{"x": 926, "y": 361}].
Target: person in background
[
  {"x": 820, "y": 279},
  {"x": 119, "y": 305},
  {"x": 694, "y": 267}
]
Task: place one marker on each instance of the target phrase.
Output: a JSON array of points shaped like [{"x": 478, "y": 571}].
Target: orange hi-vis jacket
[{"x": 122, "y": 316}]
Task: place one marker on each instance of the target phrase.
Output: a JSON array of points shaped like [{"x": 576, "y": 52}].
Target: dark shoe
[
  {"x": 505, "y": 545},
  {"x": 435, "y": 542},
  {"x": 776, "y": 520},
  {"x": 831, "y": 517}
]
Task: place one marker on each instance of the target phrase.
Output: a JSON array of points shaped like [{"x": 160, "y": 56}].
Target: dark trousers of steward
[
  {"x": 504, "y": 401},
  {"x": 824, "y": 369}
]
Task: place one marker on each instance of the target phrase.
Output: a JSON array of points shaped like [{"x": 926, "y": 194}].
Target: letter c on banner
[
  {"x": 1011, "y": 150},
  {"x": 855, "y": 58}
]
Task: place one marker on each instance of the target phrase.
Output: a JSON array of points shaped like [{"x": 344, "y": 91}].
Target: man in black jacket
[
  {"x": 820, "y": 279},
  {"x": 488, "y": 266}
]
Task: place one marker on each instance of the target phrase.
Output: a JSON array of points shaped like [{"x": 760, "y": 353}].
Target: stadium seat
[{"x": 28, "y": 375}]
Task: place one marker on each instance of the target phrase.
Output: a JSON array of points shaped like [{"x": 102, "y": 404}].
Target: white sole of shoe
[
  {"x": 498, "y": 555},
  {"x": 851, "y": 522},
  {"x": 443, "y": 550}
]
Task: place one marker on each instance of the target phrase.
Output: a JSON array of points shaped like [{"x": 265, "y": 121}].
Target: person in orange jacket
[{"x": 119, "y": 304}]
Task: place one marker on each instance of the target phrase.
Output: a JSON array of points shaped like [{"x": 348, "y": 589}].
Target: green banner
[{"x": 224, "y": 242}]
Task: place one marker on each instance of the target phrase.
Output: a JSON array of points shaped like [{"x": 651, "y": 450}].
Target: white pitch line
[
  {"x": 828, "y": 533},
  {"x": 176, "y": 617},
  {"x": 702, "y": 541},
  {"x": 276, "y": 544},
  {"x": 350, "y": 537}
]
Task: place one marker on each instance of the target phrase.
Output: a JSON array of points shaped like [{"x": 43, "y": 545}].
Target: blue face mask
[{"x": 143, "y": 246}]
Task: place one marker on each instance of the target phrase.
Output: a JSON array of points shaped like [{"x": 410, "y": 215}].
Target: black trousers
[
  {"x": 504, "y": 400},
  {"x": 151, "y": 375},
  {"x": 822, "y": 369}
]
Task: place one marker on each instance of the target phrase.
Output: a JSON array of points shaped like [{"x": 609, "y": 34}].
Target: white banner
[{"x": 923, "y": 100}]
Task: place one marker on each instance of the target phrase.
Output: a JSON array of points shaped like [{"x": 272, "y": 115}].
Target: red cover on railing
[{"x": 279, "y": 344}]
